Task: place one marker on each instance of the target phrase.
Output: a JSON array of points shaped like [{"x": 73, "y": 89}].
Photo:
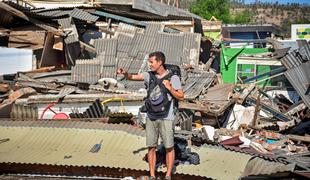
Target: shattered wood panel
[
  {"x": 29, "y": 37},
  {"x": 299, "y": 77},
  {"x": 50, "y": 56},
  {"x": 219, "y": 92}
]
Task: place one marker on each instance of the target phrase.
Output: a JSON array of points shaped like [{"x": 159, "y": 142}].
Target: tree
[
  {"x": 243, "y": 17},
  {"x": 209, "y": 8}
]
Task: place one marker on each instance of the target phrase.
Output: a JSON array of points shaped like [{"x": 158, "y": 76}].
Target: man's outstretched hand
[{"x": 120, "y": 71}]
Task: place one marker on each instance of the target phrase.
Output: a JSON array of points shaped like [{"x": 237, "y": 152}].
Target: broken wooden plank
[
  {"x": 246, "y": 93},
  {"x": 193, "y": 106},
  {"x": 4, "y": 88},
  {"x": 299, "y": 138},
  {"x": 36, "y": 22}
]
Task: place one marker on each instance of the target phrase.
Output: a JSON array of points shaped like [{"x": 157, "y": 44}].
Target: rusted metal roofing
[
  {"x": 71, "y": 147},
  {"x": 258, "y": 166},
  {"x": 299, "y": 77},
  {"x": 83, "y": 15},
  {"x": 253, "y": 152}
]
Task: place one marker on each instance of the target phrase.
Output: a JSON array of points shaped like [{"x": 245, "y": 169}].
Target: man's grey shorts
[{"x": 162, "y": 128}]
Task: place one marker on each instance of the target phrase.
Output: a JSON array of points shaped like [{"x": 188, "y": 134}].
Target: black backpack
[{"x": 159, "y": 106}]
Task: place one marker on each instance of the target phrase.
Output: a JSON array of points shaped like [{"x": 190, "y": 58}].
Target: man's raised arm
[{"x": 136, "y": 77}]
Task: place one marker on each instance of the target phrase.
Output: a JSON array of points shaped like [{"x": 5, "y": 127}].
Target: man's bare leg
[
  {"x": 152, "y": 160},
  {"x": 170, "y": 160}
]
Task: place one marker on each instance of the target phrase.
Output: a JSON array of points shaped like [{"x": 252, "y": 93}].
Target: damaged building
[{"x": 66, "y": 113}]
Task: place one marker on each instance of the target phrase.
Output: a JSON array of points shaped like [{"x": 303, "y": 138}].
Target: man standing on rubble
[{"x": 164, "y": 90}]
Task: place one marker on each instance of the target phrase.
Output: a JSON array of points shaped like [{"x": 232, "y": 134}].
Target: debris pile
[{"x": 71, "y": 55}]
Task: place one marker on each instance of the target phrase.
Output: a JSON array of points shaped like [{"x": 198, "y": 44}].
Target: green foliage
[
  {"x": 244, "y": 17},
  {"x": 220, "y": 10},
  {"x": 209, "y": 8}
]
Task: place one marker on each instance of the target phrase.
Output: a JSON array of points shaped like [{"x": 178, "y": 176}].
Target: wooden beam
[
  {"x": 36, "y": 22},
  {"x": 87, "y": 47},
  {"x": 299, "y": 138}
]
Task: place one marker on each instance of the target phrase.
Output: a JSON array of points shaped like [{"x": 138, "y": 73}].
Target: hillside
[{"x": 281, "y": 15}]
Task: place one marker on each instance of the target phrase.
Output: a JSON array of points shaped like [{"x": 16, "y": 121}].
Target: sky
[{"x": 282, "y": 1}]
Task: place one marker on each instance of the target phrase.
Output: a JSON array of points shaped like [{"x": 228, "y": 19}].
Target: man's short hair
[{"x": 159, "y": 56}]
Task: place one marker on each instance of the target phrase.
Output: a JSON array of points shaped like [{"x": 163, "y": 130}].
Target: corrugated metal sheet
[
  {"x": 299, "y": 77},
  {"x": 95, "y": 110},
  {"x": 20, "y": 111},
  {"x": 196, "y": 83},
  {"x": 73, "y": 124},
  {"x": 258, "y": 166},
  {"x": 133, "y": 85},
  {"x": 55, "y": 13},
  {"x": 124, "y": 62},
  {"x": 72, "y": 45},
  {"x": 191, "y": 48},
  {"x": 161, "y": 9},
  {"x": 171, "y": 45},
  {"x": 125, "y": 34},
  {"x": 86, "y": 71},
  {"x": 71, "y": 147},
  {"x": 108, "y": 59},
  {"x": 136, "y": 43},
  {"x": 305, "y": 52},
  {"x": 108, "y": 46},
  {"x": 178, "y": 48},
  {"x": 291, "y": 60},
  {"x": 83, "y": 15},
  {"x": 154, "y": 27},
  {"x": 253, "y": 152}
]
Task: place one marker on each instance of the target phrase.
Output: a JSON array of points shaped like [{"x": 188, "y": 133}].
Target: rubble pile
[{"x": 76, "y": 52}]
